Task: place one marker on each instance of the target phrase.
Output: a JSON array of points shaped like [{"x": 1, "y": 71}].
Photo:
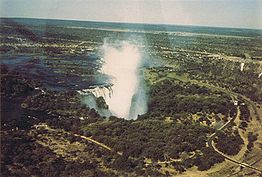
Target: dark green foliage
[
  {"x": 229, "y": 144},
  {"x": 245, "y": 114},
  {"x": 243, "y": 125},
  {"x": 227, "y": 75},
  {"x": 178, "y": 166},
  {"x": 208, "y": 159},
  {"x": 170, "y": 98},
  {"x": 14, "y": 86},
  {"x": 124, "y": 163},
  {"x": 21, "y": 155},
  {"x": 152, "y": 138},
  {"x": 145, "y": 137},
  {"x": 251, "y": 139}
]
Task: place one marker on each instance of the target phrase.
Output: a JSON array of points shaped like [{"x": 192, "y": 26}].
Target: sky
[{"x": 222, "y": 13}]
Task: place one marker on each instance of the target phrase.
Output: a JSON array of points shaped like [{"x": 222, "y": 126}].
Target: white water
[
  {"x": 121, "y": 63},
  {"x": 242, "y": 66},
  {"x": 260, "y": 74}
]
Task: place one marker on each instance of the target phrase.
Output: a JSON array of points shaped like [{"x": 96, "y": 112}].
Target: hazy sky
[{"x": 230, "y": 13}]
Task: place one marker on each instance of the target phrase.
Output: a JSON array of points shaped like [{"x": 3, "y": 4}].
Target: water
[{"x": 58, "y": 73}]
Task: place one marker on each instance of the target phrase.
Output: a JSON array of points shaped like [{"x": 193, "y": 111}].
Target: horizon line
[{"x": 139, "y": 23}]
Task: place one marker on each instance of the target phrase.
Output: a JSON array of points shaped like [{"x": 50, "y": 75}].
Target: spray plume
[{"x": 121, "y": 63}]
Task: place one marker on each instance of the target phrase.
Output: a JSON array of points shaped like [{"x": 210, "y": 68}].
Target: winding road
[{"x": 210, "y": 143}]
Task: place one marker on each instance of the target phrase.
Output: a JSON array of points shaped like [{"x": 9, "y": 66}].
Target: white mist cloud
[{"x": 121, "y": 63}]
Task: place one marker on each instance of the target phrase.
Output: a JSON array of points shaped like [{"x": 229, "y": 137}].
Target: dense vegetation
[
  {"x": 229, "y": 143},
  {"x": 227, "y": 75},
  {"x": 172, "y": 97},
  {"x": 173, "y": 134},
  {"x": 252, "y": 137},
  {"x": 158, "y": 140},
  {"x": 22, "y": 155},
  {"x": 166, "y": 132}
]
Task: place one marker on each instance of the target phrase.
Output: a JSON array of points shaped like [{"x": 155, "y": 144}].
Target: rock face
[{"x": 94, "y": 97}]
